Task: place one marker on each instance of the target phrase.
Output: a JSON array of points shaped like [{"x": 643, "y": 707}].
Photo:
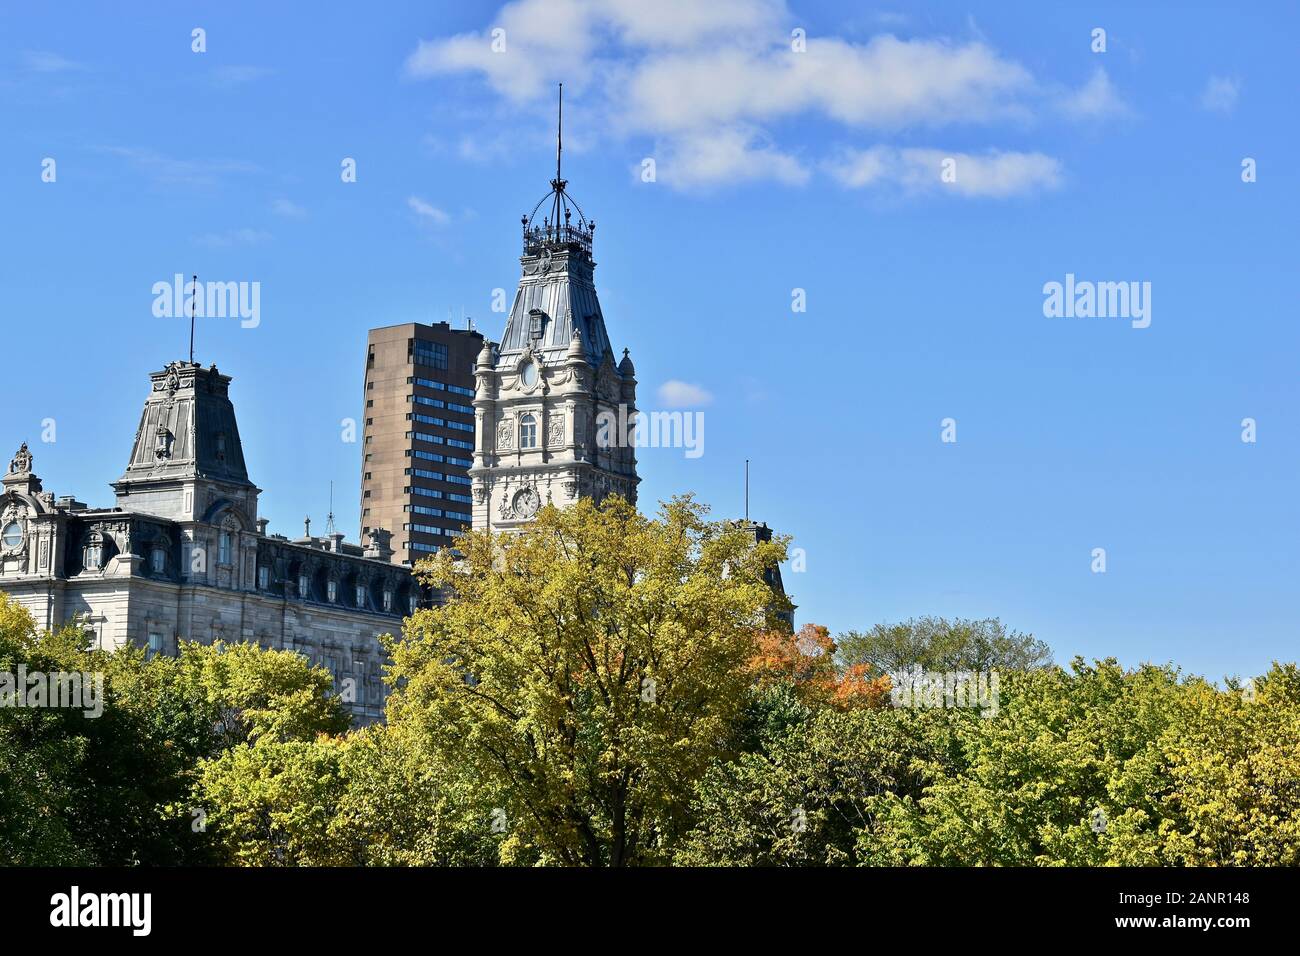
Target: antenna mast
[
  {"x": 746, "y": 491},
  {"x": 194, "y": 297},
  {"x": 329, "y": 519}
]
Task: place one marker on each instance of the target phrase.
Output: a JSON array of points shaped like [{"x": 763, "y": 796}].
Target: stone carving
[
  {"x": 505, "y": 435},
  {"x": 21, "y": 464},
  {"x": 162, "y": 445},
  {"x": 555, "y": 431}
]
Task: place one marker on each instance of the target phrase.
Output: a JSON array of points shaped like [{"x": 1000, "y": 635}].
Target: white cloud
[
  {"x": 675, "y": 394},
  {"x": 726, "y": 157},
  {"x": 288, "y": 208},
  {"x": 711, "y": 83},
  {"x": 1220, "y": 94},
  {"x": 995, "y": 174},
  {"x": 1096, "y": 99},
  {"x": 43, "y": 61},
  {"x": 173, "y": 171},
  {"x": 237, "y": 75},
  {"x": 234, "y": 237},
  {"x": 427, "y": 211}
]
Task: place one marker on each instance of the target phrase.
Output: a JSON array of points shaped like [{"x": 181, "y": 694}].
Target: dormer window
[
  {"x": 388, "y": 600},
  {"x": 223, "y": 548},
  {"x": 221, "y": 446},
  {"x": 332, "y": 590},
  {"x": 93, "y": 557},
  {"x": 304, "y": 586},
  {"x": 264, "y": 578},
  {"x": 361, "y": 595},
  {"x": 158, "y": 559},
  {"x": 536, "y": 324}
]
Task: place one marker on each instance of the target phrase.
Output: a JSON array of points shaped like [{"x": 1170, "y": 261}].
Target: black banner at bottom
[{"x": 334, "y": 907}]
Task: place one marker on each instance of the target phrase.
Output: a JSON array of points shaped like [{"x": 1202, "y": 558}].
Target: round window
[
  {"x": 12, "y": 536},
  {"x": 529, "y": 374}
]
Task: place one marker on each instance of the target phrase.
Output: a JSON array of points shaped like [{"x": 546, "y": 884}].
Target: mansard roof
[
  {"x": 188, "y": 428},
  {"x": 556, "y": 294}
]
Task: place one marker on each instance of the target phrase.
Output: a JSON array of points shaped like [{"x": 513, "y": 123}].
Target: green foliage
[
  {"x": 585, "y": 672},
  {"x": 1095, "y": 766},
  {"x": 117, "y": 788},
  {"x": 936, "y": 644}
]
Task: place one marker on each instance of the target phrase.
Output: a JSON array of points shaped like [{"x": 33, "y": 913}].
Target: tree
[
  {"x": 115, "y": 788},
  {"x": 585, "y": 671},
  {"x": 936, "y": 644},
  {"x": 806, "y": 661}
]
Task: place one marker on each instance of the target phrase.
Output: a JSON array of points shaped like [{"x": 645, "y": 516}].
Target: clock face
[
  {"x": 12, "y": 535},
  {"x": 526, "y": 502}
]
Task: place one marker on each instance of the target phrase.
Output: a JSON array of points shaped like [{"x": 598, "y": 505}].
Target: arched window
[
  {"x": 223, "y": 548},
  {"x": 158, "y": 559},
  {"x": 331, "y": 589},
  {"x": 93, "y": 555},
  {"x": 527, "y": 431}
]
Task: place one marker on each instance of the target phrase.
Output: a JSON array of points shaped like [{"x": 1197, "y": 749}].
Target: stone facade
[
  {"x": 184, "y": 556},
  {"x": 551, "y": 406}
]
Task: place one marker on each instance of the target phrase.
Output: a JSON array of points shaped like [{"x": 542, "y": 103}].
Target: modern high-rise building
[{"x": 418, "y": 439}]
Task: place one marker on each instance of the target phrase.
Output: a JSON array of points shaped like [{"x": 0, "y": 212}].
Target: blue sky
[{"x": 773, "y": 173}]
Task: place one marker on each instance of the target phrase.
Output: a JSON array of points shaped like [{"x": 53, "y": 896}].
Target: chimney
[{"x": 379, "y": 547}]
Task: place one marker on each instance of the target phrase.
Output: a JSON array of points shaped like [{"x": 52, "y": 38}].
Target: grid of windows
[
  {"x": 463, "y": 462},
  {"x": 424, "y": 528},
  {"x": 426, "y": 455},
  {"x": 457, "y": 480},
  {"x": 425, "y": 436},
  {"x": 431, "y": 512},
  {"x": 463, "y": 409},
  {"x": 433, "y": 493},
  {"x": 421, "y": 546},
  {"x": 435, "y": 475},
  {"x": 460, "y": 426},
  {"x": 457, "y": 390},
  {"x": 422, "y": 400},
  {"x": 426, "y": 419},
  {"x": 459, "y": 515},
  {"x": 464, "y": 499},
  {"x": 457, "y": 443},
  {"x": 433, "y": 354},
  {"x": 427, "y": 383}
]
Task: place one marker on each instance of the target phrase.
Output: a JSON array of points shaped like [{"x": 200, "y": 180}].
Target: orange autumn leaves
[{"x": 806, "y": 660}]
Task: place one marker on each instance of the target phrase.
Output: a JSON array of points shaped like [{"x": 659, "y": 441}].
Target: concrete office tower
[{"x": 418, "y": 438}]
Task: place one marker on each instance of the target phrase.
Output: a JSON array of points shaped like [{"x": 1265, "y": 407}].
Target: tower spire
[{"x": 194, "y": 298}]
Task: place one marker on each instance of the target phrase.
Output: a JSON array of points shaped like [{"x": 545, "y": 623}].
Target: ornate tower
[
  {"x": 187, "y": 462},
  {"x": 554, "y": 413}
]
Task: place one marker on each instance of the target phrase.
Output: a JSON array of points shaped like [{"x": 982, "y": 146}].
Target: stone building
[
  {"x": 552, "y": 406},
  {"x": 183, "y": 555}
]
